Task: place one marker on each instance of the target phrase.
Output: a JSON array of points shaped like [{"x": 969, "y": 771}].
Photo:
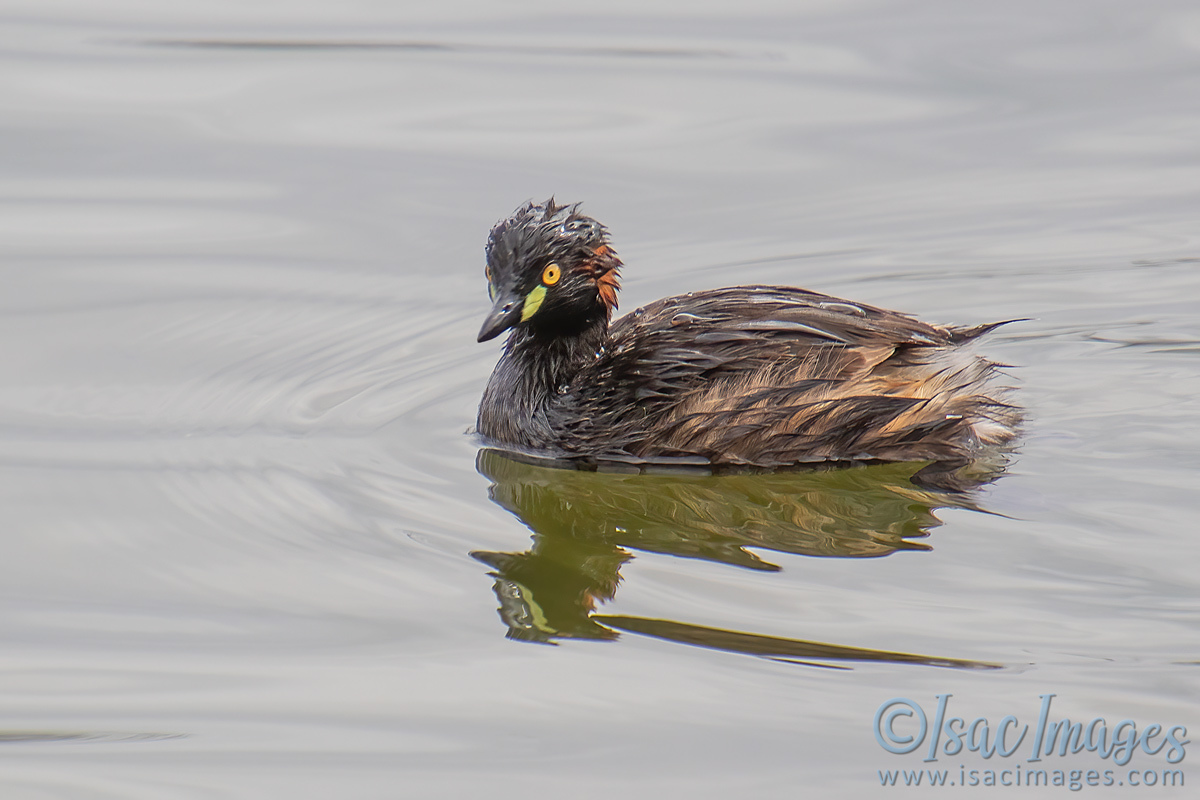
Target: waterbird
[{"x": 745, "y": 377}]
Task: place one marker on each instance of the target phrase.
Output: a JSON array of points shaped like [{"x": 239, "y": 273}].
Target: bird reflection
[{"x": 585, "y": 525}]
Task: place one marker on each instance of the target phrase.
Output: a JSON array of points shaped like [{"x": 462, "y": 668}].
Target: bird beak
[{"x": 504, "y": 314}]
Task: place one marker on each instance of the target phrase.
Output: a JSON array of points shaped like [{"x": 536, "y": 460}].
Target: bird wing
[{"x": 773, "y": 375}]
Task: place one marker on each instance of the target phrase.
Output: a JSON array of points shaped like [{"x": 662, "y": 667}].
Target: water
[{"x": 248, "y": 552}]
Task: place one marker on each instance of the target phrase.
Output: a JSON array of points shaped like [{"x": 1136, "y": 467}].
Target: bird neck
[
  {"x": 550, "y": 358},
  {"x": 534, "y": 372}
]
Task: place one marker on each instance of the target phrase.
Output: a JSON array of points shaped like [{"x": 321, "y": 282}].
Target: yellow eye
[{"x": 551, "y": 274}]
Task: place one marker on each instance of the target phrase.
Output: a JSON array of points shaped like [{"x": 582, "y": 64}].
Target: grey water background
[{"x": 242, "y": 259}]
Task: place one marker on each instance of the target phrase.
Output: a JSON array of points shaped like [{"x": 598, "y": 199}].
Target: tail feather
[{"x": 961, "y": 335}]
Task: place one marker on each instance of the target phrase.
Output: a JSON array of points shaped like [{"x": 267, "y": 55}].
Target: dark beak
[{"x": 504, "y": 314}]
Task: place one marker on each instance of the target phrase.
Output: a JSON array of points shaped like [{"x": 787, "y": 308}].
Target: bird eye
[{"x": 551, "y": 274}]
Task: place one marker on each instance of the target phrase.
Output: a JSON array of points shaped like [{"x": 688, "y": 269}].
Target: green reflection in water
[{"x": 586, "y": 523}]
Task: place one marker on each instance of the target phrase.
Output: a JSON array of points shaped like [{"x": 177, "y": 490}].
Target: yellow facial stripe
[{"x": 533, "y": 301}]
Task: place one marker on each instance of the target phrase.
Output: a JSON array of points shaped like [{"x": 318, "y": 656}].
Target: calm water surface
[{"x": 250, "y": 551}]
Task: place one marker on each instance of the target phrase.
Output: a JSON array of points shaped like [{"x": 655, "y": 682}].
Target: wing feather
[{"x": 773, "y": 375}]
